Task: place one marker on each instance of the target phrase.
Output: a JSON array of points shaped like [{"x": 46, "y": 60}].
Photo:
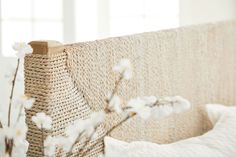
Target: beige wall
[{"x": 204, "y": 11}]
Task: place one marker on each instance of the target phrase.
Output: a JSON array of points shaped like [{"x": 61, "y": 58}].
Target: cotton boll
[
  {"x": 42, "y": 121},
  {"x": 166, "y": 100},
  {"x": 124, "y": 67},
  {"x": 125, "y": 63},
  {"x": 20, "y": 148},
  {"x": 21, "y": 130},
  {"x": 95, "y": 136},
  {"x": 64, "y": 142},
  {"x": 162, "y": 111},
  {"x": 26, "y": 101},
  {"x": 8, "y": 132},
  {"x": 97, "y": 118},
  {"x": 80, "y": 125},
  {"x": 136, "y": 103},
  {"x": 166, "y": 110},
  {"x": 157, "y": 113},
  {"x": 74, "y": 130},
  {"x": 49, "y": 146},
  {"x": 149, "y": 100},
  {"x": 89, "y": 131},
  {"x": 22, "y": 49},
  {"x": 17, "y": 132},
  {"x": 87, "y": 126},
  {"x": 127, "y": 74},
  {"x": 21, "y": 145},
  {"x": 139, "y": 107},
  {"x": 115, "y": 104},
  {"x": 180, "y": 104},
  {"x": 118, "y": 109},
  {"x": 145, "y": 113},
  {"x": 71, "y": 131},
  {"x": 117, "y": 68}
]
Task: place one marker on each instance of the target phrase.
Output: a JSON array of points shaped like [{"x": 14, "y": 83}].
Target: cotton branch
[
  {"x": 9, "y": 146},
  {"x": 73, "y": 145},
  {"x": 84, "y": 152},
  {"x": 125, "y": 72},
  {"x": 87, "y": 142},
  {"x": 114, "y": 91},
  {"x": 12, "y": 92},
  {"x": 143, "y": 107},
  {"x": 42, "y": 136}
]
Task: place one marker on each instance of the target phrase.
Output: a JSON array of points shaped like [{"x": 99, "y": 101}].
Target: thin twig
[
  {"x": 117, "y": 83},
  {"x": 42, "y": 136},
  {"x": 108, "y": 132},
  {"x": 6, "y": 145},
  {"x": 76, "y": 141},
  {"x": 121, "y": 122},
  {"x": 9, "y": 146},
  {"x": 87, "y": 141},
  {"x": 12, "y": 92}
]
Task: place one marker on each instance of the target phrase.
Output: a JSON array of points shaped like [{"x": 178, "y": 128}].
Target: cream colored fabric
[
  {"x": 218, "y": 142},
  {"x": 197, "y": 62}
]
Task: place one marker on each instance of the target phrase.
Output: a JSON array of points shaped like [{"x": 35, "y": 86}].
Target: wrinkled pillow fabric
[{"x": 218, "y": 142}]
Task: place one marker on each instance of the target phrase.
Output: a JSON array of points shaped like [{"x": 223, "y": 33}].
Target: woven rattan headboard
[{"x": 70, "y": 81}]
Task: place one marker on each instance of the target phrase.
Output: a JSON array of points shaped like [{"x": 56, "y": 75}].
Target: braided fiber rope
[{"x": 197, "y": 62}]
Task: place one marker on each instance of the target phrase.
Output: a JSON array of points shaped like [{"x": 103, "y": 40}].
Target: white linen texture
[{"x": 218, "y": 142}]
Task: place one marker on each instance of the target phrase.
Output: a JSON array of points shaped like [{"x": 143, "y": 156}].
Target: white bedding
[{"x": 219, "y": 142}]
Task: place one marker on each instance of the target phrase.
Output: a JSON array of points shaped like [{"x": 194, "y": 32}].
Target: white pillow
[{"x": 219, "y": 142}]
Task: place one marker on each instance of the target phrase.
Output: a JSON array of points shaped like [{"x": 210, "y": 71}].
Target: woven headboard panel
[{"x": 70, "y": 81}]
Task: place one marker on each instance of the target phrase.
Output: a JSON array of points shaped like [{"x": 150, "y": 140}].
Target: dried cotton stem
[{"x": 12, "y": 92}]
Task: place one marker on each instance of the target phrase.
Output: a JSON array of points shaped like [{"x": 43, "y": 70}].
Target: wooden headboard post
[
  {"x": 48, "y": 81},
  {"x": 47, "y": 47}
]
